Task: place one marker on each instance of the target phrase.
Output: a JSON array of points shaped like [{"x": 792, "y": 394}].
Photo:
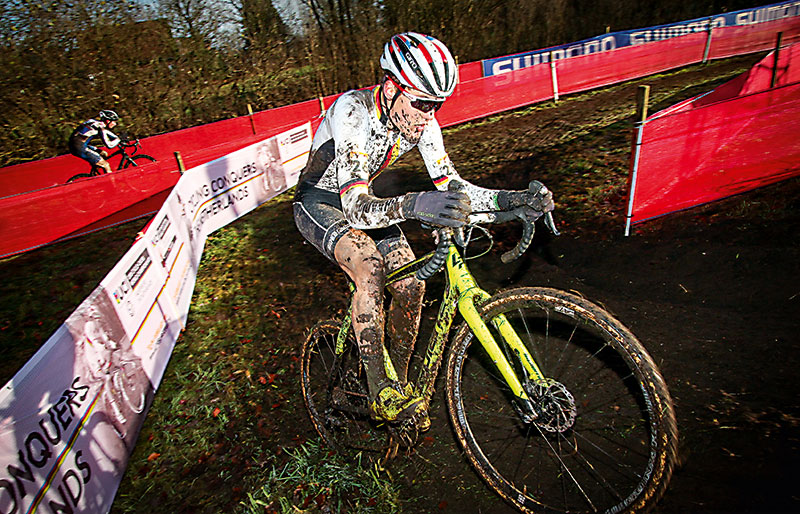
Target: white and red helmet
[{"x": 420, "y": 62}]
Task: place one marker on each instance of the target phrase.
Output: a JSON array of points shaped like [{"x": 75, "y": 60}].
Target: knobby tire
[
  {"x": 618, "y": 452},
  {"x": 335, "y": 393}
]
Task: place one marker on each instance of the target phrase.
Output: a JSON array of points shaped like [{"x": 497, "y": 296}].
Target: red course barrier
[
  {"x": 38, "y": 208},
  {"x": 741, "y": 136},
  {"x": 35, "y": 194}
]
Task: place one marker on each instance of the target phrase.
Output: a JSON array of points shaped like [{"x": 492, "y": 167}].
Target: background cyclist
[
  {"x": 80, "y": 142},
  {"x": 335, "y": 209}
]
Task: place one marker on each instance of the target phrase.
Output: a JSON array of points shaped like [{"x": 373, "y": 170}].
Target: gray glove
[
  {"x": 447, "y": 208},
  {"x": 537, "y": 197}
]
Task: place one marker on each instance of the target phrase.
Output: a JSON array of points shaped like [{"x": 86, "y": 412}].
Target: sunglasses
[
  {"x": 424, "y": 105},
  {"x": 420, "y": 104}
]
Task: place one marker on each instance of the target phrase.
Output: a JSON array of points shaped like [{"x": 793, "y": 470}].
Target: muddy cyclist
[{"x": 335, "y": 208}]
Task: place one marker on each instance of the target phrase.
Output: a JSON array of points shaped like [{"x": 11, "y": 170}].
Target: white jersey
[
  {"x": 91, "y": 129},
  {"x": 355, "y": 143}
]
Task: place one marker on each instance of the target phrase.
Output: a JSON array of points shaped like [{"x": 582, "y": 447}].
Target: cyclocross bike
[
  {"x": 128, "y": 150},
  {"x": 557, "y": 405}
]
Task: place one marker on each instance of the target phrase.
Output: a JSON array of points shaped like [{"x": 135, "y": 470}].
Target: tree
[
  {"x": 262, "y": 26},
  {"x": 209, "y": 23}
]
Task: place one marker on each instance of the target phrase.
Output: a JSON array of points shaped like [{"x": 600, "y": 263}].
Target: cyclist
[
  {"x": 82, "y": 137},
  {"x": 335, "y": 209}
]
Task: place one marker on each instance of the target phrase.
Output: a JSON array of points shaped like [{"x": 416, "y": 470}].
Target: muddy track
[{"x": 712, "y": 293}]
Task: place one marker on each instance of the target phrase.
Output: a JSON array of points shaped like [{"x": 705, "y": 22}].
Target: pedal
[{"x": 347, "y": 401}]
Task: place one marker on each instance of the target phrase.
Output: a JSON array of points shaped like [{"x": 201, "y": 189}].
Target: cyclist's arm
[
  {"x": 362, "y": 209},
  {"x": 444, "y": 174},
  {"x": 110, "y": 140},
  {"x": 351, "y": 132}
]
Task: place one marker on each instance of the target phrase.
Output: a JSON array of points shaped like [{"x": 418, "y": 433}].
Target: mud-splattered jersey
[{"x": 354, "y": 144}]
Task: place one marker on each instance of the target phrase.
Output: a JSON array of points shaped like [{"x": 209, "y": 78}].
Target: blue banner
[{"x": 621, "y": 39}]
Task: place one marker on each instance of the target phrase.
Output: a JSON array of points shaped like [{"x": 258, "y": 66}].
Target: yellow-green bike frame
[{"x": 462, "y": 292}]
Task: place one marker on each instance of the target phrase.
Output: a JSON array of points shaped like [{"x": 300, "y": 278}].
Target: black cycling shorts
[{"x": 323, "y": 225}]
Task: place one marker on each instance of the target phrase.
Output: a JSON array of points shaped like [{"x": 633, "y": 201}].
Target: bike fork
[{"x": 470, "y": 293}]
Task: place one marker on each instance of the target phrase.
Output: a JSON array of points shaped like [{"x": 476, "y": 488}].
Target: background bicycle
[{"x": 128, "y": 150}]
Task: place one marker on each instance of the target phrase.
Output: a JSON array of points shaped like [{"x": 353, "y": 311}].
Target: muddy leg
[
  {"x": 404, "y": 312},
  {"x": 358, "y": 256}
]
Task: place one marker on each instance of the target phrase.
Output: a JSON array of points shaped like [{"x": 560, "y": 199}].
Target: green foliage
[{"x": 178, "y": 64}]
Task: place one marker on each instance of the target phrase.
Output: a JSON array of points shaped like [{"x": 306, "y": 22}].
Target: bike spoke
[
  {"x": 335, "y": 393},
  {"x": 589, "y": 446}
]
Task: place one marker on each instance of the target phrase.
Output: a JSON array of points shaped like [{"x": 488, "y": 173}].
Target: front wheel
[
  {"x": 335, "y": 392},
  {"x": 602, "y": 435},
  {"x": 136, "y": 160}
]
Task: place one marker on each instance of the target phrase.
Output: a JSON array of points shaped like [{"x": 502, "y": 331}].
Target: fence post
[
  {"x": 642, "y": 98},
  {"x": 774, "y": 78},
  {"x": 250, "y": 114},
  {"x": 321, "y": 106},
  {"x": 554, "y": 76},
  {"x": 708, "y": 39},
  {"x": 178, "y": 158}
]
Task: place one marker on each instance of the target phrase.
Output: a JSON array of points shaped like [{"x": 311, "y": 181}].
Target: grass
[
  {"x": 228, "y": 430},
  {"x": 232, "y": 380},
  {"x": 318, "y": 480}
]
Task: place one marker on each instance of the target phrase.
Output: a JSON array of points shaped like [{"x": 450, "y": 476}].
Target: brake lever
[
  {"x": 462, "y": 235},
  {"x": 550, "y": 223},
  {"x": 541, "y": 191}
]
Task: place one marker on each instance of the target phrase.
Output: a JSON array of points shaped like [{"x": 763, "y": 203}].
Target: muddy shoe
[
  {"x": 395, "y": 406},
  {"x": 420, "y": 419}
]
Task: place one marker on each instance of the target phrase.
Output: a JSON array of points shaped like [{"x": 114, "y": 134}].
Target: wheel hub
[{"x": 553, "y": 403}]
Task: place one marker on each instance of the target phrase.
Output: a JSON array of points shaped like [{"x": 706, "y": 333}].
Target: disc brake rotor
[{"x": 553, "y": 403}]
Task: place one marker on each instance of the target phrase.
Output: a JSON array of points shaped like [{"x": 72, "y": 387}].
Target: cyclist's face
[
  {"x": 111, "y": 124},
  {"x": 409, "y": 120}
]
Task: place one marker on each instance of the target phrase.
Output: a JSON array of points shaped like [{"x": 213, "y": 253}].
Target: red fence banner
[
  {"x": 38, "y": 208},
  {"x": 741, "y": 136},
  {"x": 719, "y": 30},
  {"x": 53, "y": 211}
]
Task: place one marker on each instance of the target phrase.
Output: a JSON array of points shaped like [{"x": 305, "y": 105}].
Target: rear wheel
[
  {"x": 96, "y": 170},
  {"x": 335, "y": 393},
  {"x": 602, "y": 433}
]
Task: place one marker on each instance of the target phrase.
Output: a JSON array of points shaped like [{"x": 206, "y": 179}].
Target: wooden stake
[
  {"x": 178, "y": 158},
  {"x": 774, "y": 79},
  {"x": 252, "y": 123},
  {"x": 642, "y": 99}
]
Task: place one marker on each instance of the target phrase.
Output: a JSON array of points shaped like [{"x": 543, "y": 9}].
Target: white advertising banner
[
  {"x": 148, "y": 315},
  {"x": 174, "y": 244},
  {"x": 214, "y": 194},
  {"x": 70, "y": 417},
  {"x": 70, "y": 420}
]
